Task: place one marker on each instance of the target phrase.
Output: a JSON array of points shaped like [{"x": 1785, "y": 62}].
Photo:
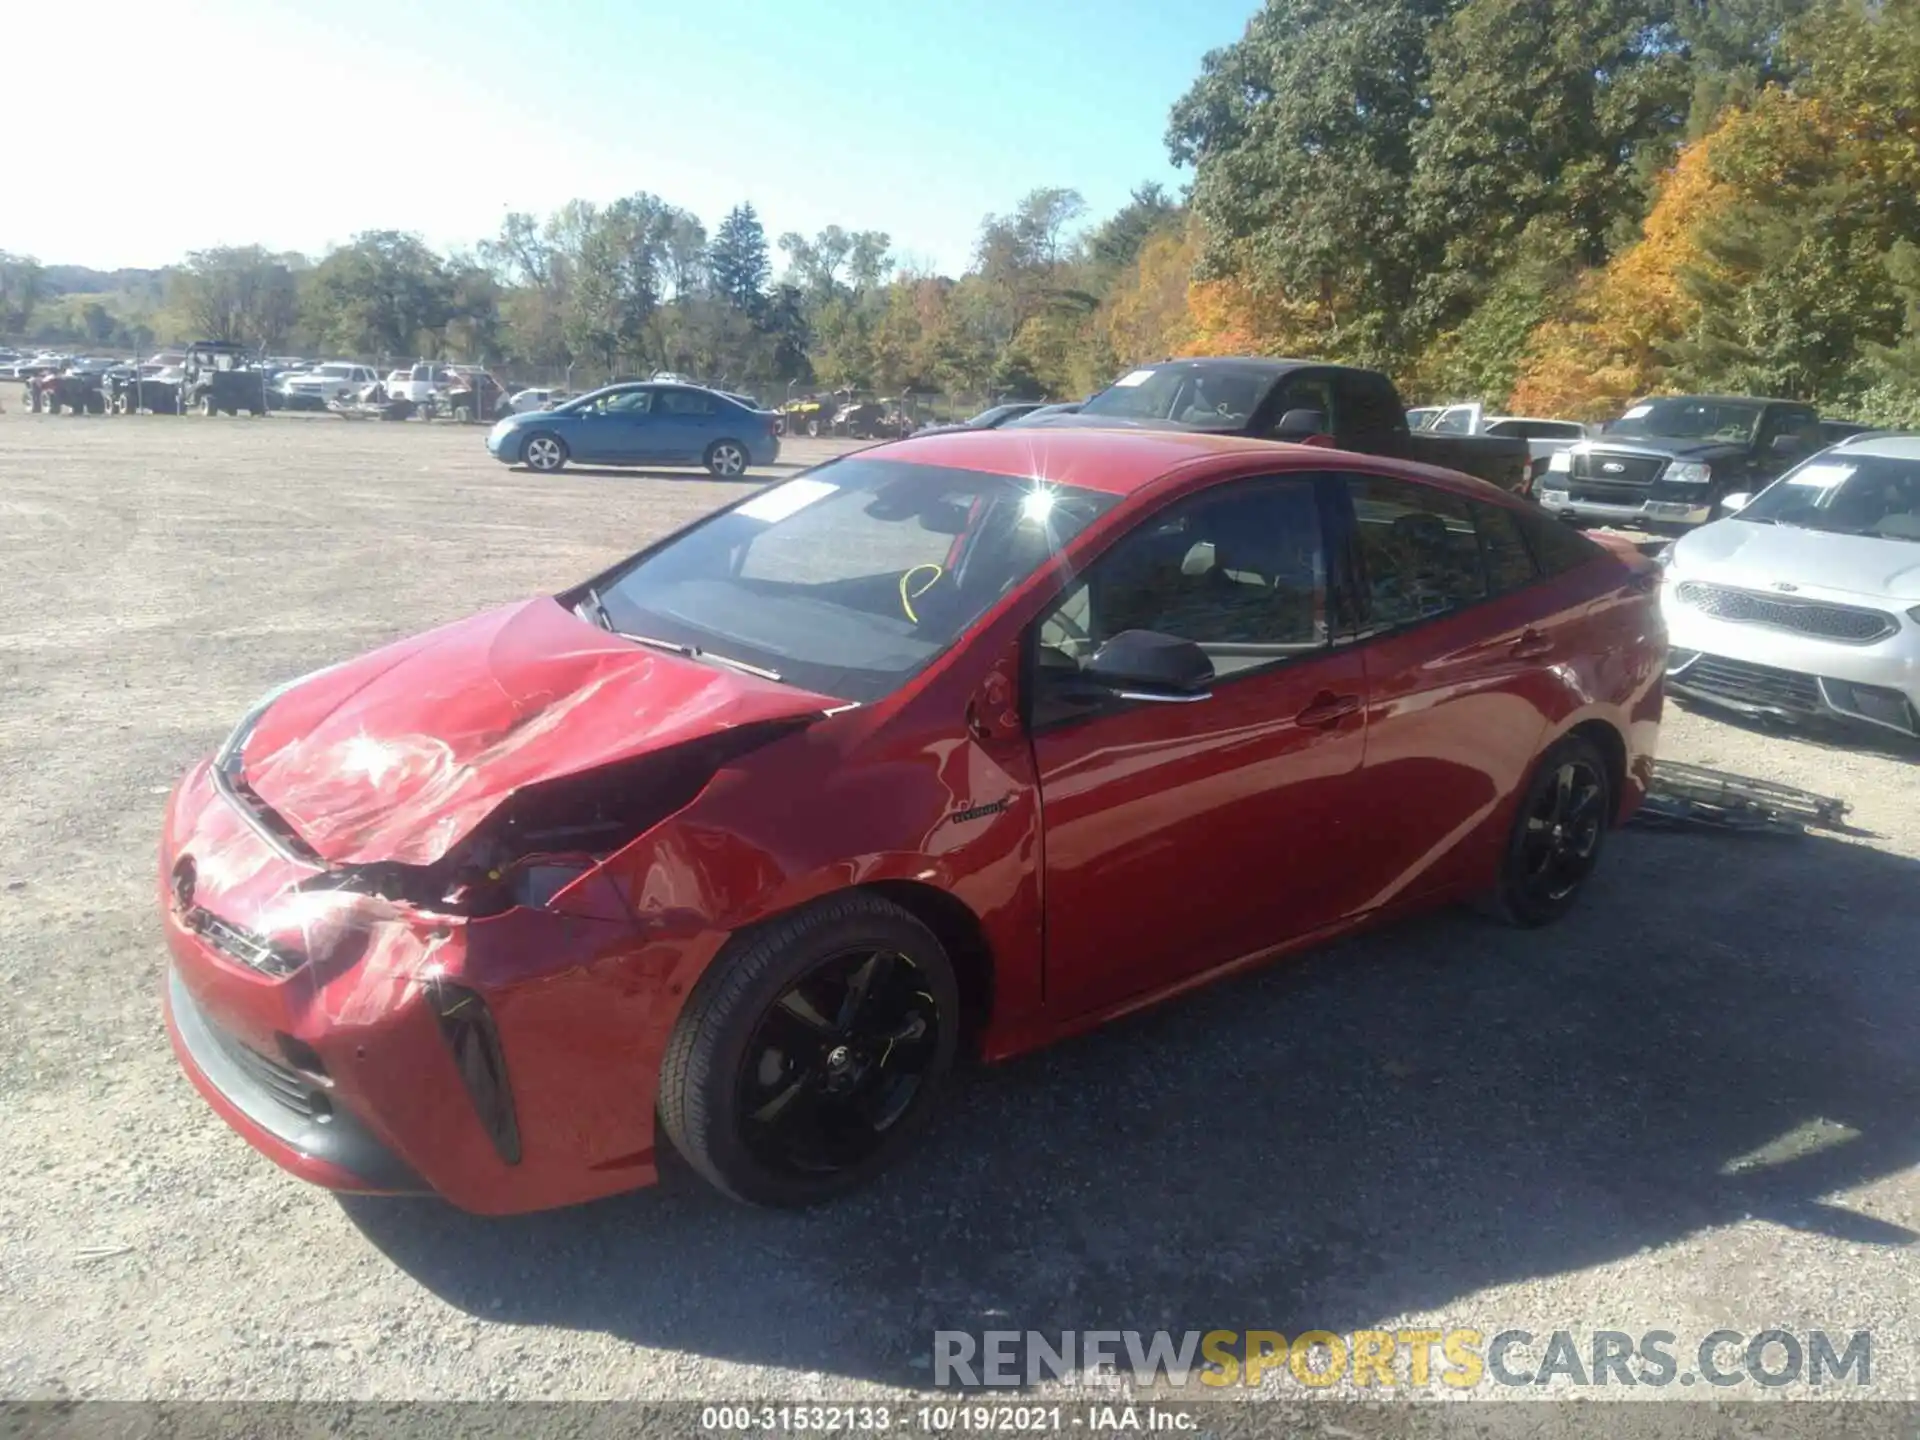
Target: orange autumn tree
[
  {"x": 1146, "y": 316},
  {"x": 1237, "y": 313},
  {"x": 1615, "y": 342}
]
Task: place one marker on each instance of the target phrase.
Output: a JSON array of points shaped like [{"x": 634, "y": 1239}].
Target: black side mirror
[
  {"x": 1146, "y": 665},
  {"x": 1788, "y": 444},
  {"x": 1300, "y": 425}
]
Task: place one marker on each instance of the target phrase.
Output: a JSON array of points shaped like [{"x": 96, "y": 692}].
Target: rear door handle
[
  {"x": 1327, "y": 710},
  {"x": 1532, "y": 645}
]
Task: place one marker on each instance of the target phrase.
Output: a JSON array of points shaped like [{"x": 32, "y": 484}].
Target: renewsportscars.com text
[{"x": 1456, "y": 1359}]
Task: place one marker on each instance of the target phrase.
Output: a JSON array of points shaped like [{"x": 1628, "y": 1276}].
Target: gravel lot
[{"x": 1445, "y": 1123}]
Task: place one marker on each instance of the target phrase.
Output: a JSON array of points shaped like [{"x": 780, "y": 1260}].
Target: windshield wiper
[
  {"x": 672, "y": 647},
  {"x": 740, "y": 665},
  {"x": 596, "y": 611},
  {"x": 694, "y": 652}
]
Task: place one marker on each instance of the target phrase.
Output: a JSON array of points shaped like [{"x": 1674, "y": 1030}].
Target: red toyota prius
[{"x": 962, "y": 743}]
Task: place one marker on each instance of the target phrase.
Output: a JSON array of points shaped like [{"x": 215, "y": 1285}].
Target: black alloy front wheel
[{"x": 812, "y": 1052}]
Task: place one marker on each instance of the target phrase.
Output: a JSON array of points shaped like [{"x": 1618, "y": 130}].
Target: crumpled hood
[
  {"x": 1671, "y": 449},
  {"x": 398, "y": 755},
  {"x": 1745, "y": 553}
]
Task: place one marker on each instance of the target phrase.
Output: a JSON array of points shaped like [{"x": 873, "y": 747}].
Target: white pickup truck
[
  {"x": 423, "y": 384},
  {"x": 1545, "y": 438}
]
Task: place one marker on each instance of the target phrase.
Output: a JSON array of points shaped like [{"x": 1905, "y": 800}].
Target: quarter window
[
  {"x": 1557, "y": 547},
  {"x": 1503, "y": 549},
  {"x": 1239, "y": 571},
  {"x": 1419, "y": 550}
]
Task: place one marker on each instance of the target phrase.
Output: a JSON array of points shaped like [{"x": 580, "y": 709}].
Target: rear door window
[
  {"x": 683, "y": 402},
  {"x": 1419, "y": 551}
]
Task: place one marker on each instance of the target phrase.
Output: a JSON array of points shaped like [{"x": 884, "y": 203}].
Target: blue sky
[{"x": 899, "y": 115}]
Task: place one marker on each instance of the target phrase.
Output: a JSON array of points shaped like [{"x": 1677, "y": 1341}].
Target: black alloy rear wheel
[{"x": 1558, "y": 834}]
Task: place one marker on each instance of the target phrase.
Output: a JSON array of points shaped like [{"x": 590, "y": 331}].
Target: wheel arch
[
  {"x": 1612, "y": 745},
  {"x": 964, "y": 938}
]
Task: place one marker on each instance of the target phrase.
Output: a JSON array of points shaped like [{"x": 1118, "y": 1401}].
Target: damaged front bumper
[{"x": 504, "y": 1062}]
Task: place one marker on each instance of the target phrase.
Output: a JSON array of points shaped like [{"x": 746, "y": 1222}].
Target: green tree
[
  {"x": 627, "y": 260},
  {"x": 237, "y": 293},
  {"x": 384, "y": 294},
  {"x": 1116, "y": 242},
  {"x": 1539, "y": 111},
  {"x": 737, "y": 262},
  {"x": 20, "y": 290},
  {"x": 1301, "y": 135}
]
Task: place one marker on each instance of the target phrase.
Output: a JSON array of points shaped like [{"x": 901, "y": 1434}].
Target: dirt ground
[{"x": 1690, "y": 1106}]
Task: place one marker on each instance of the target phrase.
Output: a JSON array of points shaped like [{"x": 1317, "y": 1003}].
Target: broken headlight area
[{"x": 547, "y": 836}]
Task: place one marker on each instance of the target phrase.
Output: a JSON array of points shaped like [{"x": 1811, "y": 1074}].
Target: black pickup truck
[
  {"x": 1668, "y": 462},
  {"x": 1296, "y": 400}
]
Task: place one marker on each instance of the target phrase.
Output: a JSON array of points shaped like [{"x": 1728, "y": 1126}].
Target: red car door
[
  {"x": 1459, "y": 642},
  {"x": 1181, "y": 835}
]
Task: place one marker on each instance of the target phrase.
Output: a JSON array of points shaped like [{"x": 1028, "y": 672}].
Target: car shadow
[
  {"x": 758, "y": 475},
  {"x": 1719, "y": 1032}
]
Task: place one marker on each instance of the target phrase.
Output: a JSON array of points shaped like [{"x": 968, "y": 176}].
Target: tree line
[{"x": 1552, "y": 205}]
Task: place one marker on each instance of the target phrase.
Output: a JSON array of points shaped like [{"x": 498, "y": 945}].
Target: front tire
[
  {"x": 544, "y": 453},
  {"x": 207, "y": 407},
  {"x": 812, "y": 1052},
  {"x": 1558, "y": 833},
  {"x": 727, "y": 460}
]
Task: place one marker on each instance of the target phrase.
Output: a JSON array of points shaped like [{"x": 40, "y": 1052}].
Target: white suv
[{"x": 333, "y": 381}]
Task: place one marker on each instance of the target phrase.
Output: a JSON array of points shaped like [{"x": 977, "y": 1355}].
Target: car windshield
[
  {"x": 1876, "y": 495},
  {"x": 850, "y": 579},
  {"x": 1688, "y": 417},
  {"x": 1204, "y": 397}
]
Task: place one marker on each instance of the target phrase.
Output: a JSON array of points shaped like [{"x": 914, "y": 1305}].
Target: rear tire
[
  {"x": 207, "y": 407},
  {"x": 813, "y": 429},
  {"x": 783, "y": 1019},
  {"x": 727, "y": 460},
  {"x": 1559, "y": 829}
]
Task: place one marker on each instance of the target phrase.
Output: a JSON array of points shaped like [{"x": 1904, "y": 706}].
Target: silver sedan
[{"x": 1805, "y": 603}]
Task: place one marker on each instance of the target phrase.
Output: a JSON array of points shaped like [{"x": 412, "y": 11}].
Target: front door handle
[
  {"x": 1532, "y": 645},
  {"x": 1327, "y": 710}
]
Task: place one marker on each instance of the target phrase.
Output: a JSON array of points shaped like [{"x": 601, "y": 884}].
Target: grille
[
  {"x": 1746, "y": 684},
  {"x": 284, "y": 1084},
  {"x": 1634, "y": 469},
  {"x": 1610, "y": 494},
  {"x": 1846, "y": 623},
  {"x": 256, "y": 952}
]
